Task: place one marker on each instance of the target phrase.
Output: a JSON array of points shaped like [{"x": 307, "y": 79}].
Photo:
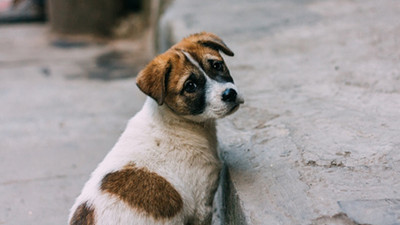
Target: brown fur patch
[
  {"x": 180, "y": 102},
  {"x": 152, "y": 79},
  {"x": 164, "y": 77},
  {"x": 144, "y": 190},
  {"x": 205, "y": 39},
  {"x": 201, "y": 44},
  {"x": 83, "y": 215}
]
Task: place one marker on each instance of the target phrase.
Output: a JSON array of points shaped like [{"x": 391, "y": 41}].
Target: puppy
[{"x": 164, "y": 168}]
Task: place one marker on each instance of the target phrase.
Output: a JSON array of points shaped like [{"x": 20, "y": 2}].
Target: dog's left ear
[
  {"x": 152, "y": 79},
  {"x": 214, "y": 42}
]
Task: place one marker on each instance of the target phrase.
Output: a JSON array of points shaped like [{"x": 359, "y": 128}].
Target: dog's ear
[
  {"x": 152, "y": 80},
  {"x": 214, "y": 42}
]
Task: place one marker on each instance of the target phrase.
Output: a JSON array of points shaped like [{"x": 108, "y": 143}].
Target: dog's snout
[{"x": 229, "y": 95}]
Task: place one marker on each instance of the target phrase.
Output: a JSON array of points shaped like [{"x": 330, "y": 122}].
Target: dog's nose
[{"x": 229, "y": 95}]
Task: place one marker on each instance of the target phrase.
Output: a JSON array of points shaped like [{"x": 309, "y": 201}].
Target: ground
[
  {"x": 64, "y": 105},
  {"x": 316, "y": 142}
]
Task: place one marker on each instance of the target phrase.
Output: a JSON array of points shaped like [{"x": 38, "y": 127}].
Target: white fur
[
  {"x": 187, "y": 157},
  {"x": 183, "y": 150}
]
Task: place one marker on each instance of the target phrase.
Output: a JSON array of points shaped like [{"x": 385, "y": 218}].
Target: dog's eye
[
  {"x": 218, "y": 65},
  {"x": 190, "y": 86}
]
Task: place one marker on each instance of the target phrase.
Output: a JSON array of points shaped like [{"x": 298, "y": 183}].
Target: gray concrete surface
[
  {"x": 63, "y": 106},
  {"x": 318, "y": 139}
]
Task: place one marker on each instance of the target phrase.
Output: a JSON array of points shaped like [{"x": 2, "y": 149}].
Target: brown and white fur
[{"x": 164, "y": 168}]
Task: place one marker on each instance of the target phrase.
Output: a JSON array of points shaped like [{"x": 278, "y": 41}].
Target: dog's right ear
[
  {"x": 213, "y": 41},
  {"x": 152, "y": 80}
]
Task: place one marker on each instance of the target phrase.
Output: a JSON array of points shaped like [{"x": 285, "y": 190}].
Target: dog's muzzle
[{"x": 231, "y": 97}]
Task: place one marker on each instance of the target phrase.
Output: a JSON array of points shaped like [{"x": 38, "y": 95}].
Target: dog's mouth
[
  {"x": 233, "y": 109},
  {"x": 236, "y": 105}
]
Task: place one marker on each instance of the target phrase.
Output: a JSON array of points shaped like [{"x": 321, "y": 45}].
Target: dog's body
[{"x": 164, "y": 169}]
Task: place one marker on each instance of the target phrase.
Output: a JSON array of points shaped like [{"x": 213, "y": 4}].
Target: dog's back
[
  {"x": 164, "y": 168},
  {"x": 152, "y": 170}
]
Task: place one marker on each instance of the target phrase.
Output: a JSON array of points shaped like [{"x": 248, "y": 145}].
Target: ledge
[{"x": 317, "y": 140}]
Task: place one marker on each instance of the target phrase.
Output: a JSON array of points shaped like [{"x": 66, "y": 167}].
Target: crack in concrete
[
  {"x": 339, "y": 218},
  {"x": 333, "y": 164}
]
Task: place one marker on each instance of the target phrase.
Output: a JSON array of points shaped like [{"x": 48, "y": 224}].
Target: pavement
[
  {"x": 317, "y": 141},
  {"x": 64, "y": 105}
]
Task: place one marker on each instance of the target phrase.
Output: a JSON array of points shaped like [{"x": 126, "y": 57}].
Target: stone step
[{"x": 317, "y": 141}]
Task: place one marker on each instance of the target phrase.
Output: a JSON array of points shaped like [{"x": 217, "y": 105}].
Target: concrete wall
[{"x": 317, "y": 141}]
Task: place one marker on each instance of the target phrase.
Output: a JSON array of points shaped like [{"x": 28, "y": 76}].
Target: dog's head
[{"x": 192, "y": 79}]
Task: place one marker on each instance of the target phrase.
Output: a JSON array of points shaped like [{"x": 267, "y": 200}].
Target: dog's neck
[
  {"x": 173, "y": 124},
  {"x": 165, "y": 115}
]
